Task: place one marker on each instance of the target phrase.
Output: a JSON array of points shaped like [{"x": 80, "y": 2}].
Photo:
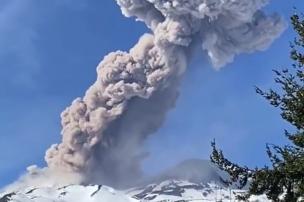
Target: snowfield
[
  {"x": 167, "y": 191},
  {"x": 192, "y": 180}
]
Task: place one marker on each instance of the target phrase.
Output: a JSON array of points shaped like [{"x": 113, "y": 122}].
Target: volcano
[{"x": 192, "y": 180}]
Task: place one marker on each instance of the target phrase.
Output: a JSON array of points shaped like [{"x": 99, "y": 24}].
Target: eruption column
[{"x": 134, "y": 90}]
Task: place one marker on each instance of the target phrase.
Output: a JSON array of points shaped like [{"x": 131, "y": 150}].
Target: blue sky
[{"x": 48, "y": 55}]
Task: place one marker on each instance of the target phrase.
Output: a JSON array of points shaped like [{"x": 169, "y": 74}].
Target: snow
[
  {"x": 167, "y": 191},
  {"x": 184, "y": 183},
  {"x": 73, "y": 193}
]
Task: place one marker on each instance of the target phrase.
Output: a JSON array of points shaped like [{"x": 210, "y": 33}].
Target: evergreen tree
[{"x": 283, "y": 181}]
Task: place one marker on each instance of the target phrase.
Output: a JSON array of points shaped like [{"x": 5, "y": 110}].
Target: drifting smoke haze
[{"x": 134, "y": 90}]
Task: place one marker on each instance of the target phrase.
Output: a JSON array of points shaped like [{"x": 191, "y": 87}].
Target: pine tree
[{"x": 283, "y": 181}]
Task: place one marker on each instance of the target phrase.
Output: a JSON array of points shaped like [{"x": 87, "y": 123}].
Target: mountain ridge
[
  {"x": 191, "y": 180},
  {"x": 166, "y": 191}
]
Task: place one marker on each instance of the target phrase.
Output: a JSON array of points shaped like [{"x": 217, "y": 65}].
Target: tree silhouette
[{"x": 283, "y": 181}]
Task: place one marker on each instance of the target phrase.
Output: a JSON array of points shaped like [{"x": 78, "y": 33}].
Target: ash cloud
[{"x": 134, "y": 90}]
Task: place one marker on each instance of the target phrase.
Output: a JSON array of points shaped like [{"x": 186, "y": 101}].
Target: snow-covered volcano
[
  {"x": 167, "y": 191},
  {"x": 192, "y": 170},
  {"x": 191, "y": 180}
]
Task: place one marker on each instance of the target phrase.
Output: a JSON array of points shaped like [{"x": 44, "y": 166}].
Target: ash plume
[{"x": 134, "y": 90}]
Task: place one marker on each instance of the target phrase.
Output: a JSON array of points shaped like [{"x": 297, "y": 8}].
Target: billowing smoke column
[{"x": 134, "y": 90}]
